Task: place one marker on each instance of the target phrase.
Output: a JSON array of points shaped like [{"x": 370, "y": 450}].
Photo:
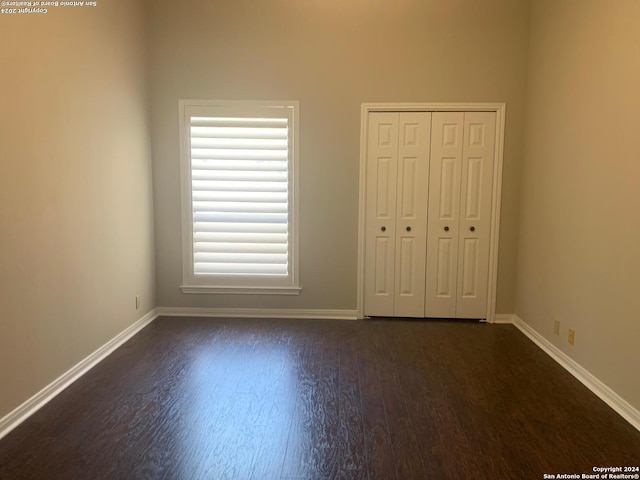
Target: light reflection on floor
[{"x": 241, "y": 402}]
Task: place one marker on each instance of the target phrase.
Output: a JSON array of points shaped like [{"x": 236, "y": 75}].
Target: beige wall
[
  {"x": 579, "y": 257},
  {"x": 331, "y": 55},
  {"x": 76, "y": 233}
]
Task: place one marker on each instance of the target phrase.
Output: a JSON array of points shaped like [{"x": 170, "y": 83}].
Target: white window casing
[{"x": 239, "y": 196}]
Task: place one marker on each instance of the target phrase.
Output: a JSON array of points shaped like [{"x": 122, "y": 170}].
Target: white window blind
[
  {"x": 239, "y": 171},
  {"x": 239, "y": 174}
]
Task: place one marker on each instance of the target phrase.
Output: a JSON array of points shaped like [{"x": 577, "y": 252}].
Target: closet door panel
[
  {"x": 443, "y": 214},
  {"x": 411, "y": 212},
  {"x": 475, "y": 214},
  {"x": 381, "y": 206}
]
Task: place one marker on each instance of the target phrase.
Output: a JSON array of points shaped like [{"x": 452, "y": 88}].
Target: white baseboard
[
  {"x": 33, "y": 404},
  {"x": 502, "y": 318},
  {"x": 257, "y": 313},
  {"x": 611, "y": 398}
]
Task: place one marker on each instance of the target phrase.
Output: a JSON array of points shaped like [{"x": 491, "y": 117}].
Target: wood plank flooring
[{"x": 194, "y": 398}]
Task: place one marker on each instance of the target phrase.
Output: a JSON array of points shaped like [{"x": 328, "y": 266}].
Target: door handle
[
  {"x": 384, "y": 229},
  {"x": 473, "y": 229},
  {"x": 408, "y": 229},
  {"x": 446, "y": 229}
]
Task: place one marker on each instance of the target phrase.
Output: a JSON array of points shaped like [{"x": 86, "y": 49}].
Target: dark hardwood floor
[{"x": 309, "y": 399}]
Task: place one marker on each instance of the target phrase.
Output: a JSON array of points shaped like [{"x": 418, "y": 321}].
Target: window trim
[{"x": 210, "y": 284}]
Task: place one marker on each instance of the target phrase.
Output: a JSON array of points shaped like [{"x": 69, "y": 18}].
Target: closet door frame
[{"x": 500, "y": 110}]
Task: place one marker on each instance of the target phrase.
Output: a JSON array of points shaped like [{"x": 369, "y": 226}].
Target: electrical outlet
[
  {"x": 572, "y": 336},
  {"x": 556, "y": 327},
  {"x": 137, "y": 302}
]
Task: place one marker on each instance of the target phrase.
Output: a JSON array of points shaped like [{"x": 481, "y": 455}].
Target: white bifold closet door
[
  {"x": 398, "y": 146},
  {"x": 459, "y": 214}
]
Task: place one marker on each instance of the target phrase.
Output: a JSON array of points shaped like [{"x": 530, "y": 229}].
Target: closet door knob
[
  {"x": 384, "y": 229},
  {"x": 473, "y": 229},
  {"x": 446, "y": 229},
  {"x": 408, "y": 229}
]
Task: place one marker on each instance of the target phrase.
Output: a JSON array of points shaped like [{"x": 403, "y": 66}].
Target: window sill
[{"x": 208, "y": 289}]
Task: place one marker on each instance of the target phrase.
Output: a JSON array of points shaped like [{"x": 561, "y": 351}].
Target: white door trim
[{"x": 500, "y": 109}]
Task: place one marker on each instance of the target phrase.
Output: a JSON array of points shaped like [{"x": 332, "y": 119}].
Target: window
[{"x": 239, "y": 170}]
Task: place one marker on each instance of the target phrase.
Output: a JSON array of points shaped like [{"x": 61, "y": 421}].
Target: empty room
[{"x": 319, "y": 239}]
